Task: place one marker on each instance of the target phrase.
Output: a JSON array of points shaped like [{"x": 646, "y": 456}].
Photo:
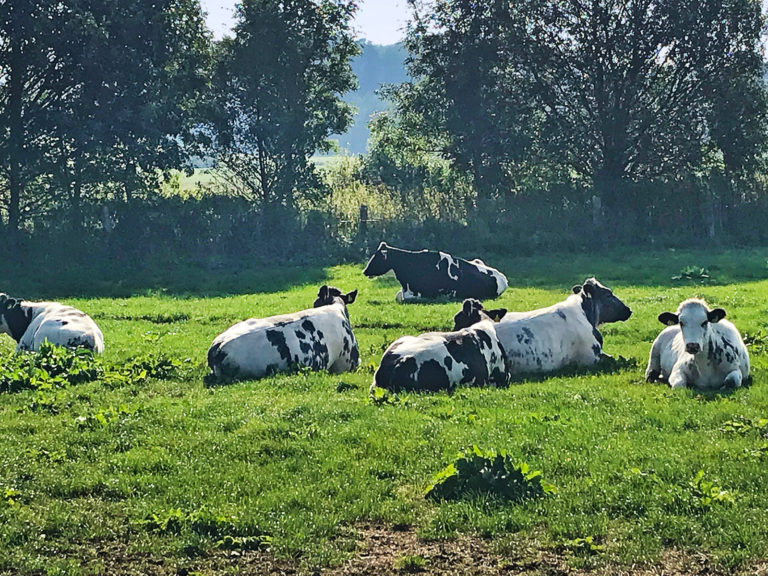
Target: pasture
[{"x": 303, "y": 471}]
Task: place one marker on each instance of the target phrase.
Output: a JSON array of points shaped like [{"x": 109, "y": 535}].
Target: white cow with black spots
[
  {"x": 32, "y": 323},
  {"x": 565, "y": 334},
  {"x": 320, "y": 338},
  {"x": 698, "y": 349},
  {"x": 443, "y": 360}
]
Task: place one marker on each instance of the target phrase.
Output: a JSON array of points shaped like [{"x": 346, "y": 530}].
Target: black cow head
[
  {"x": 14, "y": 320},
  {"x": 472, "y": 312},
  {"x": 328, "y": 295},
  {"x": 600, "y": 304},
  {"x": 379, "y": 263}
]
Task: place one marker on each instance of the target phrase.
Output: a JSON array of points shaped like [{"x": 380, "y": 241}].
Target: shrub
[{"x": 491, "y": 472}]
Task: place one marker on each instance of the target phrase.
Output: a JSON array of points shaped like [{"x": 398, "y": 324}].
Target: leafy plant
[
  {"x": 48, "y": 368},
  {"x": 707, "y": 492},
  {"x": 693, "y": 273},
  {"x": 583, "y": 546},
  {"x": 411, "y": 563},
  {"x": 757, "y": 342},
  {"x": 476, "y": 472},
  {"x": 742, "y": 425}
]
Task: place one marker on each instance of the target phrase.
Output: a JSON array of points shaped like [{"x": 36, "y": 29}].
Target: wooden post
[{"x": 363, "y": 219}]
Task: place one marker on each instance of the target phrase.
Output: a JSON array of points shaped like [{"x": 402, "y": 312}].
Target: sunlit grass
[{"x": 290, "y": 462}]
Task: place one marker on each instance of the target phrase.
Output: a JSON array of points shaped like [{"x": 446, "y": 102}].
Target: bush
[{"x": 477, "y": 472}]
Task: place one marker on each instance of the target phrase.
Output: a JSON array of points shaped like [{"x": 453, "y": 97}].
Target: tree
[
  {"x": 278, "y": 92},
  {"x": 627, "y": 86},
  {"x": 612, "y": 90},
  {"x": 465, "y": 87},
  {"x": 34, "y": 82},
  {"x": 141, "y": 69},
  {"x": 96, "y": 91}
]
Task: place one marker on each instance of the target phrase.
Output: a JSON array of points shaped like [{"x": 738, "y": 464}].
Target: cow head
[
  {"x": 14, "y": 320},
  {"x": 379, "y": 263},
  {"x": 694, "y": 318},
  {"x": 472, "y": 312},
  {"x": 329, "y": 295},
  {"x": 600, "y": 304}
]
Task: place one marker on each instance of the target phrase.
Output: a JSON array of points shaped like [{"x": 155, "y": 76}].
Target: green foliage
[
  {"x": 100, "y": 93},
  {"x": 707, "y": 493},
  {"x": 51, "y": 367},
  {"x": 477, "y": 472},
  {"x": 58, "y": 367},
  {"x": 277, "y": 96},
  {"x": 411, "y": 564},
  {"x": 584, "y": 546},
  {"x": 693, "y": 273}
]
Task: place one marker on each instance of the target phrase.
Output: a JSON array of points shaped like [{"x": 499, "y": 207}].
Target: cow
[
  {"x": 442, "y": 360},
  {"x": 320, "y": 338},
  {"x": 699, "y": 349},
  {"x": 32, "y": 323},
  {"x": 429, "y": 274},
  {"x": 565, "y": 334}
]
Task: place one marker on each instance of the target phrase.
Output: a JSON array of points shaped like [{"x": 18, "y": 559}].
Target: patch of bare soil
[{"x": 383, "y": 551}]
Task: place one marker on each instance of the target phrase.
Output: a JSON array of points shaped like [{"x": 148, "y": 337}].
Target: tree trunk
[
  {"x": 15, "y": 136},
  {"x": 77, "y": 192}
]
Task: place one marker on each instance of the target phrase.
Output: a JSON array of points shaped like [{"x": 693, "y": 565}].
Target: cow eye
[{"x": 703, "y": 324}]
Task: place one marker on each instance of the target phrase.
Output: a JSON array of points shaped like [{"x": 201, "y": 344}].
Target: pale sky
[{"x": 378, "y": 21}]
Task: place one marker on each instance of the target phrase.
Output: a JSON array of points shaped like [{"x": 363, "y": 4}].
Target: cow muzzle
[{"x": 692, "y": 348}]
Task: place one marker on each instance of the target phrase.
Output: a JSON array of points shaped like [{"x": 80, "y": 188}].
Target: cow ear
[
  {"x": 668, "y": 318},
  {"x": 588, "y": 288},
  {"x": 577, "y": 289},
  {"x": 716, "y": 315},
  {"x": 467, "y": 306},
  {"x": 322, "y": 294},
  {"x": 350, "y": 297},
  {"x": 496, "y": 315}
]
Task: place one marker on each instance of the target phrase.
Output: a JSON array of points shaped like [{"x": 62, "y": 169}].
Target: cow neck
[
  {"x": 592, "y": 311},
  {"x": 18, "y": 319},
  {"x": 395, "y": 257}
]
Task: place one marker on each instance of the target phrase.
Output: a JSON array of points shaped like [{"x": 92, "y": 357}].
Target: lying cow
[
  {"x": 429, "y": 274},
  {"x": 443, "y": 360},
  {"x": 699, "y": 349},
  {"x": 320, "y": 338},
  {"x": 565, "y": 334},
  {"x": 32, "y": 323}
]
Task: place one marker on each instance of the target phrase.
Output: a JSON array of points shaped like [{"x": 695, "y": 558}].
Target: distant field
[
  {"x": 205, "y": 178},
  {"x": 303, "y": 472}
]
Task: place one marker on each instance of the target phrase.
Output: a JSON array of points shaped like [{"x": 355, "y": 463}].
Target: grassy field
[{"x": 166, "y": 475}]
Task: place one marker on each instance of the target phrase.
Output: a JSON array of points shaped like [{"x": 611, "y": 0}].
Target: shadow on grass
[
  {"x": 36, "y": 281},
  {"x": 607, "y": 365}
]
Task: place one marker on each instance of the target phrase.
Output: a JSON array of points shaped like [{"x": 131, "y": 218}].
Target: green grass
[{"x": 172, "y": 469}]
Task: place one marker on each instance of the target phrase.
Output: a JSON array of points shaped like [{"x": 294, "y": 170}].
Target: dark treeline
[{"x": 532, "y": 122}]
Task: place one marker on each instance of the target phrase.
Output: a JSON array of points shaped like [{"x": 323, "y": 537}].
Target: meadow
[{"x": 156, "y": 472}]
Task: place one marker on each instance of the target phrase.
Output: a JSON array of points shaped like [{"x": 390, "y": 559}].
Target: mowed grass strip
[{"x": 294, "y": 462}]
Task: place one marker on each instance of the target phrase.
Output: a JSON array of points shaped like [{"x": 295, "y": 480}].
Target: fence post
[{"x": 363, "y": 219}]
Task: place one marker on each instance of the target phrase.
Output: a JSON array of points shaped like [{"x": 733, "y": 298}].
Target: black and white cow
[
  {"x": 32, "y": 323},
  {"x": 565, "y": 334},
  {"x": 429, "y": 274},
  {"x": 698, "y": 348},
  {"x": 320, "y": 338},
  {"x": 443, "y": 360}
]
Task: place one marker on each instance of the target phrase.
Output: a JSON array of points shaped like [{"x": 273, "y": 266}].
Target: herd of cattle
[{"x": 698, "y": 348}]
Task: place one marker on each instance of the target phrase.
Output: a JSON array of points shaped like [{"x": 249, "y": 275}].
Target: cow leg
[
  {"x": 733, "y": 379},
  {"x": 677, "y": 378},
  {"x": 653, "y": 371}
]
